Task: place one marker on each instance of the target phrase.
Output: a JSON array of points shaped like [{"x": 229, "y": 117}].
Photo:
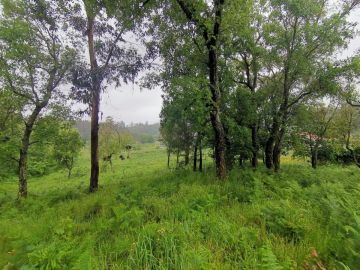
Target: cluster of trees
[
  {"x": 248, "y": 77},
  {"x": 114, "y": 139},
  {"x": 42, "y": 46},
  {"x": 326, "y": 134},
  {"x": 234, "y": 73},
  {"x": 54, "y": 144}
]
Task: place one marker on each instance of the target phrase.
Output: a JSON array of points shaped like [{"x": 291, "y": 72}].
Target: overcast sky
[{"x": 129, "y": 104}]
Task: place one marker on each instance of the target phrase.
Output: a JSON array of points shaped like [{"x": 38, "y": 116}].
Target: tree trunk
[
  {"x": 255, "y": 147},
  {"x": 211, "y": 38},
  {"x": 177, "y": 157},
  {"x": 276, "y": 156},
  {"x": 314, "y": 158},
  {"x": 219, "y": 145},
  {"x": 212, "y": 46},
  {"x": 195, "y": 158},
  {"x": 200, "y": 157},
  {"x": 168, "y": 158},
  {"x": 215, "y": 115},
  {"x": 187, "y": 156},
  {"x": 25, "y": 143},
  {"x": 95, "y": 108},
  {"x": 269, "y": 148},
  {"x": 94, "y": 178}
]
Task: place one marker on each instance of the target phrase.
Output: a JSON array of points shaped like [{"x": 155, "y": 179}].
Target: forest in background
[{"x": 142, "y": 132}]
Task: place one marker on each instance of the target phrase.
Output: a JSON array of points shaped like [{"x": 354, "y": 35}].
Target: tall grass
[{"x": 148, "y": 217}]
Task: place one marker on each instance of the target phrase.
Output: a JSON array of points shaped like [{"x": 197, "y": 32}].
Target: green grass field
[{"x": 146, "y": 216}]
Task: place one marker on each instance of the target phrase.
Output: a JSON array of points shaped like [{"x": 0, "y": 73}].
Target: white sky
[{"x": 129, "y": 104}]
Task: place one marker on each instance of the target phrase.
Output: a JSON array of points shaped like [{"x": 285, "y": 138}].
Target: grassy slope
[{"x": 148, "y": 217}]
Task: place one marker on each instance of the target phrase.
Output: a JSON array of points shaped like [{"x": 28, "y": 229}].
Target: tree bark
[
  {"x": 95, "y": 108},
  {"x": 269, "y": 148},
  {"x": 187, "y": 156},
  {"x": 217, "y": 125},
  {"x": 168, "y": 158},
  {"x": 25, "y": 143},
  {"x": 276, "y": 156},
  {"x": 200, "y": 157},
  {"x": 255, "y": 147},
  {"x": 195, "y": 158},
  {"x": 278, "y": 144},
  {"x": 314, "y": 158}
]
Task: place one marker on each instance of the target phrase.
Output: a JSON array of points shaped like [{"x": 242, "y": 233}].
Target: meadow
[{"x": 146, "y": 216}]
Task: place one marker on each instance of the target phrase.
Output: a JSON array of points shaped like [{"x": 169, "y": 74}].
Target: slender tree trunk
[
  {"x": 177, "y": 157},
  {"x": 195, "y": 158},
  {"x": 314, "y": 158},
  {"x": 255, "y": 146},
  {"x": 25, "y": 143},
  {"x": 168, "y": 158},
  {"x": 95, "y": 108},
  {"x": 94, "y": 178},
  {"x": 200, "y": 157}
]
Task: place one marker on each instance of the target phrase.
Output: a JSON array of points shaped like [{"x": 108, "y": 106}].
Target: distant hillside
[
  {"x": 145, "y": 133},
  {"x": 142, "y": 132},
  {"x": 84, "y": 129}
]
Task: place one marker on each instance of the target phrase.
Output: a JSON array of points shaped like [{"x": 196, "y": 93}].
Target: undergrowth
[{"x": 153, "y": 218}]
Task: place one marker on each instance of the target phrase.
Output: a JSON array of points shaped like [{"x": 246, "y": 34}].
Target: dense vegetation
[
  {"x": 148, "y": 217},
  {"x": 260, "y": 108}
]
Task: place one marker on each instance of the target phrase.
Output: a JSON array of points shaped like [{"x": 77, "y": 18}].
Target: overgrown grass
[{"x": 148, "y": 217}]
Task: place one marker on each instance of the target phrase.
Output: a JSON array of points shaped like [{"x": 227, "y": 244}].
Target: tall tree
[
  {"x": 34, "y": 60},
  {"x": 110, "y": 60},
  {"x": 301, "y": 36},
  {"x": 210, "y": 30}
]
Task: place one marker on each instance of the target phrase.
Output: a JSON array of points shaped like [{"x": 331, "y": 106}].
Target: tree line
[
  {"x": 257, "y": 79},
  {"x": 235, "y": 74}
]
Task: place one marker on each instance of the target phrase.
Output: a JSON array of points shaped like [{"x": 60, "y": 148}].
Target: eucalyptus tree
[
  {"x": 101, "y": 27},
  {"x": 34, "y": 60},
  {"x": 300, "y": 36}
]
